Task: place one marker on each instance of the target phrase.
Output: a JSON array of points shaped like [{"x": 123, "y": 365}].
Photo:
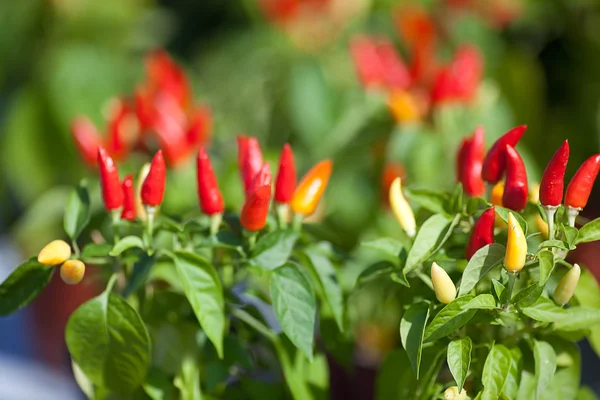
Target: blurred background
[{"x": 307, "y": 72}]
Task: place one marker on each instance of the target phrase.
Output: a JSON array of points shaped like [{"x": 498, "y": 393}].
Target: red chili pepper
[
  {"x": 167, "y": 77},
  {"x": 494, "y": 163},
  {"x": 515, "y": 188},
  {"x": 459, "y": 80},
  {"x": 250, "y": 159},
  {"x": 470, "y": 160},
  {"x": 366, "y": 61},
  {"x": 395, "y": 73},
  {"x": 123, "y": 128},
  {"x": 553, "y": 179},
  {"x": 112, "y": 193},
  {"x": 211, "y": 200},
  {"x": 262, "y": 178},
  {"x": 128, "y": 199},
  {"x": 153, "y": 188},
  {"x": 483, "y": 232},
  {"x": 198, "y": 131},
  {"x": 256, "y": 209},
  {"x": 87, "y": 139},
  {"x": 285, "y": 185},
  {"x": 580, "y": 187}
]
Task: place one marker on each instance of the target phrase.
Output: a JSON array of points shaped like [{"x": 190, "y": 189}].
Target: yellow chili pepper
[
  {"x": 516, "y": 246},
  {"x": 72, "y": 271},
  {"x": 311, "y": 188},
  {"x": 497, "y": 193},
  {"x": 452, "y": 393},
  {"x": 140, "y": 210},
  {"x": 534, "y": 193},
  {"x": 55, "y": 253},
  {"x": 401, "y": 208},
  {"x": 541, "y": 225},
  {"x": 444, "y": 288},
  {"x": 566, "y": 287}
]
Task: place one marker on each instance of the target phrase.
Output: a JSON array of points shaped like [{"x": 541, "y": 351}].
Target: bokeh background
[{"x": 281, "y": 70}]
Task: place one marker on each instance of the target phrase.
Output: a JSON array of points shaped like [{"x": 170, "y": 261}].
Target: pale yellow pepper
[
  {"x": 452, "y": 393},
  {"x": 444, "y": 288},
  {"x": 516, "y": 246},
  {"x": 404, "y": 214},
  {"x": 54, "y": 253},
  {"x": 567, "y": 285}
]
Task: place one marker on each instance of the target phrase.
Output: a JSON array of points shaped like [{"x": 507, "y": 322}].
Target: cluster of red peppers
[{"x": 160, "y": 110}]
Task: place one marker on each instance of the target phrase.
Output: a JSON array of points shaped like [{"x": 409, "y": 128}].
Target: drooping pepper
[
  {"x": 256, "y": 209},
  {"x": 87, "y": 139},
  {"x": 285, "y": 184},
  {"x": 516, "y": 246},
  {"x": 580, "y": 187},
  {"x": 72, "y": 272},
  {"x": 54, "y": 253},
  {"x": 211, "y": 200},
  {"x": 494, "y": 162},
  {"x": 470, "y": 161},
  {"x": 516, "y": 191},
  {"x": 483, "y": 232},
  {"x": 112, "y": 193},
  {"x": 153, "y": 188},
  {"x": 401, "y": 208},
  {"x": 128, "y": 212},
  {"x": 250, "y": 159},
  {"x": 552, "y": 184},
  {"x": 311, "y": 188},
  {"x": 567, "y": 285},
  {"x": 444, "y": 288}
]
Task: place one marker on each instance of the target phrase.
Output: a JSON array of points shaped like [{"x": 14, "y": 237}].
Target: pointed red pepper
[
  {"x": 250, "y": 159},
  {"x": 256, "y": 209},
  {"x": 211, "y": 200},
  {"x": 153, "y": 188},
  {"x": 112, "y": 193},
  {"x": 459, "y": 80},
  {"x": 128, "y": 212},
  {"x": 483, "y": 232},
  {"x": 553, "y": 180},
  {"x": 470, "y": 160},
  {"x": 285, "y": 185},
  {"x": 580, "y": 187},
  {"x": 515, "y": 188},
  {"x": 395, "y": 73},
  {"x": 494, "y": 163},
  {"x": 366, "y": 61},
  {"x": 262, "y": 178},
  {"x": 87, "y": 139}
]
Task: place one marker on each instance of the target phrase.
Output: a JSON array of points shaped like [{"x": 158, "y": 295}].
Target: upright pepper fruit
[
  {"x": 580, "y": 187},
  {"x": 516, "y": 191},
  {"x": 311, "y": 188},
  {"x": 285, "y": 184},
  {"x": 211, "y": 200},
  {"x": 483, "y": 232},
  {"x": 553, "y": 184},
  {"x": 470, "y": 161},
  {"x": 516, "y": 246},
  {"x": 250, "y": 159},
  {"x": 112, "y": 193},
  {"x": 567, "y": 285},
  {"x": 87, "y": 139},
  {"x": 128, "y": 212},
  {"x": 262, "y": 178},
  {"x": 54, "y": 253},
  {"x": 401, "y": 208},
  {"x": 444, "y": 288},
  {"x": 153, "y": 188},
  {"x": 256, "y": 209},
  {"x": 494, "y": 163}
]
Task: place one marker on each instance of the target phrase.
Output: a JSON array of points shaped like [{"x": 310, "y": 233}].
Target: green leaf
[
  {"x": 399, "y": 277},
  {"x": 94, "y": 251},
  {"x": 571, "y": 236},
  {"x": 495, "y": 371},
  {"x": 141, "y": 272},
  {"x": 108, "y": 340},
  {"x": 428, "y": 199},
  {"x": 82, "y": 381},
  {"x": 566, "y": 381},
  {"x": 549, "y": 244},
  {"x": 482, "y": 302},
  {"x": 158, "y": 385},
  {"x": 459, "y": 359},
  {"x": 455, "y": 203},
  {"x": 528, "y": 296},
  {"x": 188, "y": 379},
  {"x": 295, "y": 306},
  {"x": 586, "y": 393},
  {"x": 503, "y": 213},
  {"x": 128, "y": 242},
  {"x": 511, "y": 385},
  {"x": 544, "y": 310},
  {"x": 590, "y": 232},
  {"x": 430, "y": 236},
  {"x": 274, "y": 249},
  {"x": 545, "y": 365},
  {"x": 452, "y": 317},
  {"x": 77, "y": 211},
  {"x": 412, "y": 328},
  {"x": 499, "y": 291},
  {"x": 480, "y": 264},
  {"x": 587, "y": 294},
  {"x": 377, "y": 270},
  {"x": 203, "y": 290},
  {"x": 390, "y": 246},
  {"x": 578, "y": 318},
  {"x": 546, "y": 266},
  {"x": 330, "y": 286},
  {"x": 23, "y": 285},
  {"x": 396, "y": 379}
]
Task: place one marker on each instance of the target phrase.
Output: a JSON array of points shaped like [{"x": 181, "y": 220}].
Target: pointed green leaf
[
  {"x": 274, "y": 249},
  {"x": 459, "y": 359},
  {"x": 590, "y": 232},
  {"x": 452, "y": 317},
  {"x": 511, "y": 385},
  {"x": 578, "y": 318},
  {"x": 480, "y": 264},
  {"x": 545, "y": 365},
  {"x": 389, "y": 246},
  {"x": 528, "y": 296},
  {"x": 544, "y": 310},
  {"x": 128, "y": 242},
  {"x": 429, "y": 237},
  {"x": 495, "y": 371},
  {"x": 482, "y": 302},
  {"x": 503, "y": 213},
  {"x": 412, "y": 328},
  {"x": 77, "y": 211},
  {"x": 546, "y": 266},
  {"x": 23, "y": 285}
]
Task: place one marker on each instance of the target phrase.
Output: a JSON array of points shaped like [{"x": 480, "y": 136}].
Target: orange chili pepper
[{"x": 311, "y": 188}]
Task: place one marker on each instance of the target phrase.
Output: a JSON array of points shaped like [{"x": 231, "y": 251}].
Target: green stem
[
  {"x": 282, "y": 211},
  {"x": 115, "y": 216},
  {"x": 297, "y": 220},
  {"x": 251, "y": 239},
  {"x": 512, "y": 277},
  {"x": 215, "y": 223},
  {"x": 150, "y": 215}
]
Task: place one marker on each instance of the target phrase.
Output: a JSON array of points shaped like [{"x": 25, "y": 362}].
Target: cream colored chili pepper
[
  {"x": 516, "y": 246},
  {"x": 452, "y": 393},
  {"x": 444, "y": 288},
  {"x": 566, "y": 287},
  {"x": 401, "y": 208}
]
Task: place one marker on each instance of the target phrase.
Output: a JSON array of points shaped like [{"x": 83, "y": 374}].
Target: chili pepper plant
[{"x": 220, "y": 304}]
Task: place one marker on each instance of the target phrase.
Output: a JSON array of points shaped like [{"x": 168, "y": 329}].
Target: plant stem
[
  {"x": 115, "y": 216},
  {"x": 550, "y": 212},
  {"x": 512, "y": 277},
  {"x": 251, "y": 239},
  {"x": 282, "y": 211},
  {"x": 150, "y": 215},
  {"x": 215, "y": 223},
  {"x": 297, "y": 222},
  {"x": 572, "y": 215}
]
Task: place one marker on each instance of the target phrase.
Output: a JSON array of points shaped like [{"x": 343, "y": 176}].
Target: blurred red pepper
[
  {"x": 211, "y": 200},
  {"x": 482, "y": 233},
  {"x": 198, "y": 131},
  {"x": 87, "y": 139},
  {"x": 580, "y": 187},
  {"x": 285, "y": 184},
  {"x": 153, "y": 188},
  {"x": 128, "y": 212},
  {"x": 311, "y": 188},
  {"x": 515, "y": 187},
  {"x": 494, "y": 162},
  {"x": 459, "y": 80},
  {"x": 470, "y": 160},
  {"x": 250, "y": 159},
  {"x": 112, "y": 193},
  {"x": 123, "y": 128},
  {"x": 553, "y": 180},
  {"x": 165, "y": 76},
  {"x": 256, "y": 208},
  {"x": 262, "y": 178},
  {"x": 394, "y": 72}
]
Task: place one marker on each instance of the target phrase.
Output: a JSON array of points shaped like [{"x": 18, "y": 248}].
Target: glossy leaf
[
  {"x": 203, "y": 290},
  {"x": 140, "y": 274},
  {"x": 544, "y": 310},
  {"x": 495, "y": 371},
  {"x": 377, "y": 270},
  {"x": 499, "y": 291},
  {"x": 412, "y": 328},
  {"x": 480, "y": 264},
  {"x": 503, "y": 213},
  {"x": 389, "y": 246},
  {"x": 545, "y": 365},
  {"x": 429, "y": 237},
  {"x": 428, "y": 199},
  {"x": 77, "y": 211},
  {"x": 459, "y": 359},
  {"x": 273, "y": 250},
  {"x": 482, "y": 302},
  {"x": 528, "y": 296},
  {"x": 295, "y": 306},
  {"x": 128, "y": 242},
  {"x": 546, "y": 266},
  {"x": 23, "y": 285},
  {"x": 453, "y": 316},
  {"x": 587, "y": 294},
  {"x": 572, "y": 236},
  {"x": 578, "y": 318},
  {"x": 590, "y": 232},
  {"x": 511, "y": 385},
  {"x": 549, "y": 244}
]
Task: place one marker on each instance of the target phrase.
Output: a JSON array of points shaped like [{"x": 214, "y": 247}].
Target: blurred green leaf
[
  {"x": 77, "y": 211},
  {"x": 412, "y": 329},
  {"x": 23, "y": 285}
]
